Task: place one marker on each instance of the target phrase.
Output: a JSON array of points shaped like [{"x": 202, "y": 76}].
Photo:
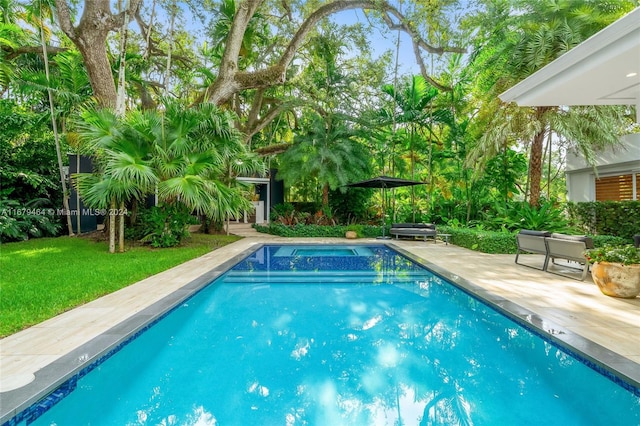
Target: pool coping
[
  {"x": 616, "y": 367},
  {"x": 84, "y": 358},
  {"x": 94, "y": 352}
]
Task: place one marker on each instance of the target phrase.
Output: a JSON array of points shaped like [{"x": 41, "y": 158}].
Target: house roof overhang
[{"x": 602, "y": 70}]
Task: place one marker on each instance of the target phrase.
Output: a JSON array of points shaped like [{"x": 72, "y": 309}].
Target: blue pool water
[{"x": 346, "y": 336}]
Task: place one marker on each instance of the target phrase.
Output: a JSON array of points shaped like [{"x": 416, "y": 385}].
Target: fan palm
[{"x": 183, "y": 156}]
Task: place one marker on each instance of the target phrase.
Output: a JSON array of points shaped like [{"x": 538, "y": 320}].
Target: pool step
[{"x": 304, "y": 277}]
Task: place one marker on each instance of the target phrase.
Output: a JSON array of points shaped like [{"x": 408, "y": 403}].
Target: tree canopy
[{"x": 307, "y": 88}]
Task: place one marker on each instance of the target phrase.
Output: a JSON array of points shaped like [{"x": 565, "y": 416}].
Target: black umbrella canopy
[{"x": 384, "y": 182}]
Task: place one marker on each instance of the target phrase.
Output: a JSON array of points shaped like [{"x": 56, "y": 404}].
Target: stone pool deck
[{"x": 559, "y": 305}]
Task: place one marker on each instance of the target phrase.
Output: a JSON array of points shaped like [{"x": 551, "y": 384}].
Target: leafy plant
[
  {"x": 520, "y": 215},
  {"x": 284, "y": 213},
  {"x": 481, "y": 240},
  {"x": 29, "y": 168},
  {"x": 20, "y": 222},
  {"x": 627, "y": 254},
  {"x": 619, "y": 218},
  {"x": 165, "y": 225},
  {"x": 603, "y": 240},
  {"x": 455, "y": 223}
]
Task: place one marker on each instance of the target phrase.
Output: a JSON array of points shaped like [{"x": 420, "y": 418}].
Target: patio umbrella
[{"x": 384, "y": 182}]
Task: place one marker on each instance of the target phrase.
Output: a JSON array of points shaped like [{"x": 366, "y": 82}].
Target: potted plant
[
  {"x": 616, "y": 270},
  {"x": 353, "y": 232}
]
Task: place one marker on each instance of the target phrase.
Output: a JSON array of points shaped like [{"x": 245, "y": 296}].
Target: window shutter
[{"x": 615, "y": 188}]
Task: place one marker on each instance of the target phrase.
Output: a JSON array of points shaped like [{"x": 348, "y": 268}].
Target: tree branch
[
  {"x": 11, "y": 53},
  {"x": 230, "y": 80},
  {"x": 64, "y": 19},
  {"x": 259, "y": 125}
]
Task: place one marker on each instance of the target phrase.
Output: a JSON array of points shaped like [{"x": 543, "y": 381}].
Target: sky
[{"x": 383, "y": 40}]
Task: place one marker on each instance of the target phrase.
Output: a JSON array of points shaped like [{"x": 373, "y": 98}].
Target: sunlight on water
[{"x": 325, "y": 346}]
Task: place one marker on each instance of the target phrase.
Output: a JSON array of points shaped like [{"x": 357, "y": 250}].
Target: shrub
[
  {"x": 618, "y": 218},
  {"x": 164, "y": 225},
  {"x": 364, "y": 231},
  {"x": 29, "y": 169},
  {"x": 495, "y": 242},
  {"x": 602, "y": 240},
  {"x": 520, "y": 215},
  {"x": 20, "y": 222},
  {"x": 481, "y": 240},
  {"x": 354, "y": 205}
]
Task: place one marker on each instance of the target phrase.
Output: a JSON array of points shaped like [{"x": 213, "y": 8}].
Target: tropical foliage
[
  {"x": 185, "y": 156},
  {"x": 315, "y": 97}
]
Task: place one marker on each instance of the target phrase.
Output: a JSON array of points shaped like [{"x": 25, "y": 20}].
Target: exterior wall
[{"x": 581, "y": 178}]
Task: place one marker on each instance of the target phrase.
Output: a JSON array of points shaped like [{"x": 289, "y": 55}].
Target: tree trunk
[
  {"x": 112, "y": 226},
  {"x": 90, "y": 37},
  {"x": 325, "y": 195},
  {"x": 535, "y": 159},
  {"x": 63, "y": 179},
  {"x": 99, "y": 71},
  {"x": 121, "y": 92},
  {"x": 121, "y": 216}
]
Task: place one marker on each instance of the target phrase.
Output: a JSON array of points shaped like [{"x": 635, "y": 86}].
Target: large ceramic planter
[{"x": 617, "y": 280}]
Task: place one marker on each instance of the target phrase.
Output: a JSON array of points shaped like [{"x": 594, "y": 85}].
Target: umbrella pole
[{"x": 383, "y": 237}]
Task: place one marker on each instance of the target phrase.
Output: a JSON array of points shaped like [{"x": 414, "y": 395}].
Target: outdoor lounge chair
[
  {"x": 532, "y": 242},
  {"x": 414, "y": 230},
  {"x": 571, "y": 248}
]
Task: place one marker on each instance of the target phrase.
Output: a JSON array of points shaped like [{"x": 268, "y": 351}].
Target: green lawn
[{"x": 41, "y": 278}]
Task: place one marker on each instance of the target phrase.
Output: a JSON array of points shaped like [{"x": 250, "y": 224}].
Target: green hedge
[
  {"x": 485, "y": 241},
  {"x": 618, "y": 218},
  {"x": 493, "y": 242},
  {"x": 603, "y": 240},
  {"x": 363, "y": 231}
]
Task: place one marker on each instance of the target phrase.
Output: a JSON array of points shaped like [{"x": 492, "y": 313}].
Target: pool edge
[
  {"x": 82, "y": 357},
  {"x": 52, "y": 376},
  {"x": 601, "y": 358}
]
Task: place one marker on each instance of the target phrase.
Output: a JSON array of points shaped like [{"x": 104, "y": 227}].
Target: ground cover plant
[{"x": 47, "y": 276}]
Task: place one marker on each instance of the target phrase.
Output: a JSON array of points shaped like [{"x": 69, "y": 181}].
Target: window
[{"x": 618, "y": 188}]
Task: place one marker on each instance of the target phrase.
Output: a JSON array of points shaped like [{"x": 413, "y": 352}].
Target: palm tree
[
  {"x": 183, "y": 154},
  {"x": 328, "y": 153},
  {"x": 123, "y": 158},
  {"x": 412, "y": 101},
  {"x": 416, "y": 117},
  {"x": 538, "y": 33}
]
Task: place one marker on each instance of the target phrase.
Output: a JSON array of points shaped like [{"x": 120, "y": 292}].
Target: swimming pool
[{"x": 351, "y": 335}]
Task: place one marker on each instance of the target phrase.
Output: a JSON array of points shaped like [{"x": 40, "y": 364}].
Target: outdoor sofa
[
  {"x": 555, "y": 246},
  {"x": 423, "y": 230}
]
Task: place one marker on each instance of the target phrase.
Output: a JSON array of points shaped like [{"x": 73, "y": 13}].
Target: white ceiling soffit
[{"x": 599, "y": 71}]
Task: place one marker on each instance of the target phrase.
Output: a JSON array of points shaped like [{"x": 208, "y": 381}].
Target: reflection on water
[{"x": 344, "y": 340}]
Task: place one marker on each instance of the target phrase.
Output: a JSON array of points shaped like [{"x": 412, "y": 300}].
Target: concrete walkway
[{"x": 561, "y": 302}]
